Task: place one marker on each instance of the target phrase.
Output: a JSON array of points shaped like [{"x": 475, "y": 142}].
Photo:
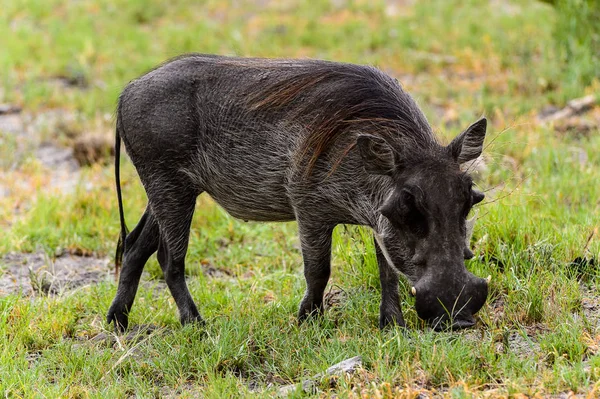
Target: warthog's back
[{"x": 191, "y": 114}]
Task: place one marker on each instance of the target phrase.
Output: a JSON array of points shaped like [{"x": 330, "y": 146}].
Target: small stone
[
  {"x": 89, "y": 150},
  {"x": 9, "y": 109},
  {"x": 310, "y": 385}
]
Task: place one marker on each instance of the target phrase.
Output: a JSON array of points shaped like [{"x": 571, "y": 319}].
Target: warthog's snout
[{"x": 451, "y": 301}]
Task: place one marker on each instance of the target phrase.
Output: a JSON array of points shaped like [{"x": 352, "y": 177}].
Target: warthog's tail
[{"x": 124, "y": 230}]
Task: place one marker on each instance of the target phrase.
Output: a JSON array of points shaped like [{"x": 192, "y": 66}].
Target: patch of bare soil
[
  {"x": 568, "y": 395},
  {"x": 64, "y": 169},
  {"x": 26, "y": 131},
  {"x": 590, "y": 303},
  {"x": 212, "y": 271},
  {"x": 523, "y": 342},
  {"x": 36, "y": 273},
  {"x": 187, "y": 389},
  {"x": 335, "y": 297},
  {"x": 11, "y": 118},
  {"x": 56, "y": 139}
]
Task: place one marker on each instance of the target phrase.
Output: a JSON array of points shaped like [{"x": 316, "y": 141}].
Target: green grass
[{"x": 538, "y": 333}]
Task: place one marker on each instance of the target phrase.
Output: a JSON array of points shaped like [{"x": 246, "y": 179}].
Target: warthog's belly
[{"x": 258, "y": 207}]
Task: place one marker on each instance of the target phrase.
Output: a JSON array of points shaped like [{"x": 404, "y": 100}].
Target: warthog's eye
[{"x": 405, "y": 212}]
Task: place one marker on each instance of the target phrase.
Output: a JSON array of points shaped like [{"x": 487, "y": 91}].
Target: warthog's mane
[{"x": 332, "y": 100}]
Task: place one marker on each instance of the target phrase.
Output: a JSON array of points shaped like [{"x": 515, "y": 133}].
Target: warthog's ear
[
  {"x": 377, "y": 155},
  {"x": 469, "y": 144}
]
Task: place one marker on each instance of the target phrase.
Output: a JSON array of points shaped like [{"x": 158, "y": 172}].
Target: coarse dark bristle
[{"x": 333, "y": 99}]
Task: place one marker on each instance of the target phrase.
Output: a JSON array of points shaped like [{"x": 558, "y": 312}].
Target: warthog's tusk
[
  {"x": 413, "y": 291},
  {"x": 488, "y": 278}
]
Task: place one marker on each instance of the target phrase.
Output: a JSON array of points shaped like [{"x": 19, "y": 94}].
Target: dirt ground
[
  {"x": 32, "y": 137},
  {"x": 36, "y": 273}
]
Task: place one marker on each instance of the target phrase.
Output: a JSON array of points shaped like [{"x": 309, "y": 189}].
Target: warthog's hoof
[
  {"x": 391, "y": 320},
  {"x": 309, "y": 309},
  {"x": 192, "y": 319},
  {"x": 119, "y": 317}
]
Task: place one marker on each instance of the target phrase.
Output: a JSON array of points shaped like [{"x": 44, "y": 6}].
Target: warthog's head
[{"x": 422, "y": 224}]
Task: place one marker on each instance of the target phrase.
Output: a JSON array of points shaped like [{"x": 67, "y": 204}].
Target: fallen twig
[{"x": 573, "y": 107}]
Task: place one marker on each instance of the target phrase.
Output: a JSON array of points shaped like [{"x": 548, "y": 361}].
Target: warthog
[{"x": 318, "y": 142}]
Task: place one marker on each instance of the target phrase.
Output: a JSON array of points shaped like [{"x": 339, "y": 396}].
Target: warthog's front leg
[
  {"x": 390, "y": 311},
  {"x": 316, "y": 251}
]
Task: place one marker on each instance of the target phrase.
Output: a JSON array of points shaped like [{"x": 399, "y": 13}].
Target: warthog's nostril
[{"x": 413, "y": 291}]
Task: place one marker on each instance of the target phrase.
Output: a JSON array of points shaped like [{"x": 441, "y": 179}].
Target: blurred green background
[{"x": 520, "y": 63}]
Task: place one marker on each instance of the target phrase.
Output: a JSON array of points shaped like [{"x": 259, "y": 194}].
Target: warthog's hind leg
[
  {"x": 140, "y": 244},
  {"x": 175, "y": 219}
]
